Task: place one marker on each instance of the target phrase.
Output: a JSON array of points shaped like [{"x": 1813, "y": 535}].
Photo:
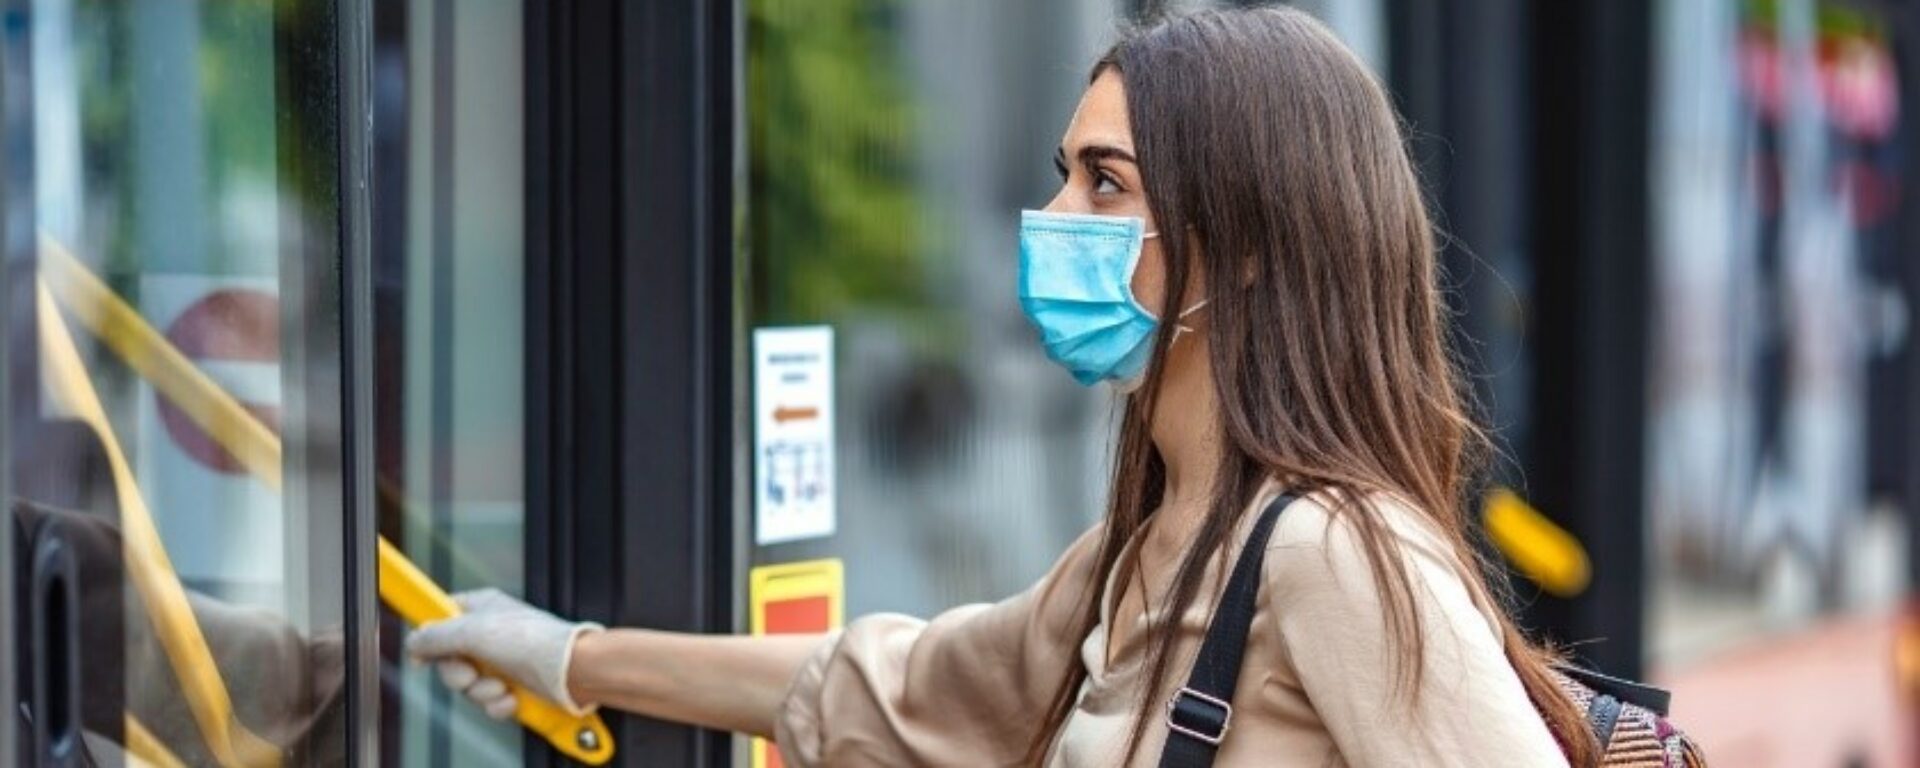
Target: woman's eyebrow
[{"x": 1093, "y": 153}]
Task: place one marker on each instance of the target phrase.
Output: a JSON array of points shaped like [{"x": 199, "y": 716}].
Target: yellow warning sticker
[{"x": 793, "y": 598}]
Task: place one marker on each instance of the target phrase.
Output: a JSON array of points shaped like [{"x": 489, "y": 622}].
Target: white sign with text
[{"x": 793, "y": 433}]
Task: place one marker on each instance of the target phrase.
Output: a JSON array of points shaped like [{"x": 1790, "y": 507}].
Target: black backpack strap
[
  {"x": 1647, "y": 697},
  {"x": 1199, "y": 714},
  {"x": 1603, "y": 714}
]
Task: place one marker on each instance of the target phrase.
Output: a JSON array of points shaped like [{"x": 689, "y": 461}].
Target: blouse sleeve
[
  {"x": 1469, "y": 708},
  {"x": 964, "y": 688}
]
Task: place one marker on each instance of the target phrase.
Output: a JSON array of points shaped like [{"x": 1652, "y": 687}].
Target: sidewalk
[{"x": 1827, "y": 696}]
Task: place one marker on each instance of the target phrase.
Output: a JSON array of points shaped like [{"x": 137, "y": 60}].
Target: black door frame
[
  {"x": 1592, "y": 267},
  {"x": 1892, "y": 415},
  {"x": 1904, "y": 17},
  {"x": 1570, "y": 85},
  {"x": 17, "y": 250},
  {"x": 353, "y": 57},
  {"x": 631, "y": 340}
]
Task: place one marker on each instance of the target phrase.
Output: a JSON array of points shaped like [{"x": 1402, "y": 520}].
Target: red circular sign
[{"x": 237, "y": 325}]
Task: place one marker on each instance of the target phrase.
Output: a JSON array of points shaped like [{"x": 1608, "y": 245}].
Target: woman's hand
[
  {"x": 511, "y": 639},
  {"x": 716, "y": 681}
]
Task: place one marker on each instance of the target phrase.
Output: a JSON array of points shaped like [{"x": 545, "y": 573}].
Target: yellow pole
[
  {"x": 404, "y": 588},
  {"x": 147, "y": 564},
  {"x": 118, "y": 325},
  {"x": 1539, "y": 549},
  {"x": 142, "y": 746}
]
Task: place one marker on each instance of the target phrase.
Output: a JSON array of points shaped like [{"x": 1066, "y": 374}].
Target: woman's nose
[{"x": 1063, "y": 202}]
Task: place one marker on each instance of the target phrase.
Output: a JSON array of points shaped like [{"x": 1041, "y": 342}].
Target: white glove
[{"x": 527, "y": 645}]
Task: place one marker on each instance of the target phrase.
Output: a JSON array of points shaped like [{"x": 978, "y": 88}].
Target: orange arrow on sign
[{"x": 783, "y": 414}]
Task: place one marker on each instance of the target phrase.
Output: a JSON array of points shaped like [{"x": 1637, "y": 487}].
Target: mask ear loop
[{"x": 1179, "y": 327}]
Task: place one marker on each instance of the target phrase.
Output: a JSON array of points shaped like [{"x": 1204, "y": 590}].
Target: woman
[{"x": 1242, "y": 171}]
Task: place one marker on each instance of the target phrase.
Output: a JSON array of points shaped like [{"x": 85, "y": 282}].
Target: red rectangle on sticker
[{"x": 800, "y": 615}]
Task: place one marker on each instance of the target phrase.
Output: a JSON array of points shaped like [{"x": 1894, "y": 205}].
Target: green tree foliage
[
  {"x": 834, "y": 222},
  {"x": 235, "y": 67}
]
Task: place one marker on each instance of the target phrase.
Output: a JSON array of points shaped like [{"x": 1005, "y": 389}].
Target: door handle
[
  {"x": 55, "y": 612},
  {"x": 418, "y": 600}
]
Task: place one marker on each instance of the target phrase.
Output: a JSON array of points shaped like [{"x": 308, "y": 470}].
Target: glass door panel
[
  {"x": 175, "y": 385},
  {"x": 448, "y": 373}
]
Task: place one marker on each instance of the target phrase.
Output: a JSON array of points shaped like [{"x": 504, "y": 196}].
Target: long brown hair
[{"x": 1270, "y": 142}]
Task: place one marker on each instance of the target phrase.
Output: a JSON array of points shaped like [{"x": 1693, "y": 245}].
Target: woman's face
[{"x": 1099, "y": 175}]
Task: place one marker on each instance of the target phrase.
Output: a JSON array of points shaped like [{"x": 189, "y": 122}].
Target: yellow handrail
[
  {"x": 144, "y": 747},
  {"x": 414, "y": 596},
  {"x": 404, "y": 588},
  {"x": 147, "y": 564},
  {"x": 1539, "y": 549},
  {"x": 123, "y": 330}
]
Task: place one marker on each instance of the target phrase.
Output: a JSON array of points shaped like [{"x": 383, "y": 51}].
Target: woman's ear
[{"x": 1249, "y": 273}]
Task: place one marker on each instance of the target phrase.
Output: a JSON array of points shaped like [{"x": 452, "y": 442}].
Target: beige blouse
[{"x": 1317, "y": 687}]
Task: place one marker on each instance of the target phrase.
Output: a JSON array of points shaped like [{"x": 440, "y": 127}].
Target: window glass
[
  {"x": 174, "y": 366},
  {"x": 891, "y": 146},
  {"x": 448, "y": 326}
]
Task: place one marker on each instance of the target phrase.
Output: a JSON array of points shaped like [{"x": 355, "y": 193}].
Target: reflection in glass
[
  {"x": 448, "y": 375},
  {"x": 174, "y": 403}
]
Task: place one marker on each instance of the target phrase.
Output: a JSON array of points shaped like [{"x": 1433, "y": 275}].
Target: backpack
[{"x": 1629, "y": 720}]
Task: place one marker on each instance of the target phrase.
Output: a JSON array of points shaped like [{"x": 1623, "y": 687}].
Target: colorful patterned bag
[{"x": 1630, "y": 721}]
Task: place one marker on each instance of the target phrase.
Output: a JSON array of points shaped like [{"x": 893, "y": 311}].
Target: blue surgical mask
[{"x": 1076, "y": 287}]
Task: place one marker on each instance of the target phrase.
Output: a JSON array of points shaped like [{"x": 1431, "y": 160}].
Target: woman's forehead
[{"x": 1101, "y": 117}]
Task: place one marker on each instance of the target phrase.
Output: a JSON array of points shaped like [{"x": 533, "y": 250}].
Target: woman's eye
[{"x": 1104, "y": 184}]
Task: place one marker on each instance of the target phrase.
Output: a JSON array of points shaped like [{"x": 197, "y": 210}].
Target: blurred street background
[
  {"x": 1679, "y": 243},
  {"x": 519, "y": 285}
]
